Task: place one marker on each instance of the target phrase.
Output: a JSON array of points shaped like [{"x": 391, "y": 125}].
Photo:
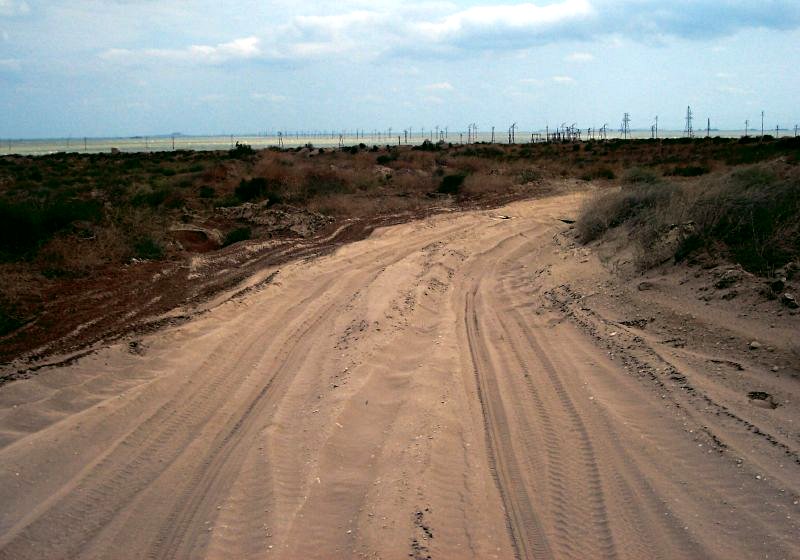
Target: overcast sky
[{"x": 136, "y": 67}]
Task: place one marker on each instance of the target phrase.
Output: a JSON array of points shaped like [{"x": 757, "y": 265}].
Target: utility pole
[
  {"x": 708, "y": 128},
  {"x": 795, "y": 133},
  {"x": 511, "y": 133},
  {"x": 689, "y": 130},
  {"x": 626, "y": 125},
  {"x": 795, "y": 130},
  {"x": 762, "y": 124},
  {"x": 746, "y": 128}
]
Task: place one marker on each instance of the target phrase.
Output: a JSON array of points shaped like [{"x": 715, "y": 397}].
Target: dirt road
[{"x": 447, "y": 388}]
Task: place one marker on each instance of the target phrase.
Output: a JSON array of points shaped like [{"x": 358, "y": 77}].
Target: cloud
[
  {"x": 580, "y": 57},
  {"x": 274, "y": 98},
  {"x": 211, "y": 98},
  {"x": 10, "y": 64},
  {"x": 564, "y": 80},
  {"x": 441, "y": 86},
  {"x": 433, "y": 30},
  {"x": 238, "y": 49},
  {"x": 504, "y": 22},
  {"x": 13, "y": 8}
]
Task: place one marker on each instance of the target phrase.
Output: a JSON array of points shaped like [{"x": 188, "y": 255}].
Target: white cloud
[
  {"x": 580, "y": 57},
  {"x": 369, "y": 30},
  {"x": 13, "y": 8},
  {"x": 563, "y": 80},
  {"x": 529, "y": 17},
  {"x": 274, "y": 98},
  {"x": 244, "y": 48},
  {"x": 10, "y": 64},
  {"x": 211, "y": 98},
  {"x": 440, "y": 86}
]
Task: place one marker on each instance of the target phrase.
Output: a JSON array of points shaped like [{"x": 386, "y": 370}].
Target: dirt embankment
[{"x": 469, "y": 385}]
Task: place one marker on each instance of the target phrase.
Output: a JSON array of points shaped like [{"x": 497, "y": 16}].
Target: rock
[
  {"x": 730, "y": 295},
  {"x": 778, "y": 285},
  {"x": 287, "y": 218},
  {"x": 762, "y": 399},
  {"x": 789, "y": 301},
  {"x": 775, "y": 368},
  {"x": 755, "y": 345},
  {"x": 644, "y": 286},
  {"x": 728, "y": 279}
]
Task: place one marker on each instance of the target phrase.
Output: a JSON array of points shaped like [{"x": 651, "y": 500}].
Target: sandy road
[{"x": 416, "y": 394}]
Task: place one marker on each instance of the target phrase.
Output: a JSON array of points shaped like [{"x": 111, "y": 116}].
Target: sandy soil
[{"x": 471, "y": 385}]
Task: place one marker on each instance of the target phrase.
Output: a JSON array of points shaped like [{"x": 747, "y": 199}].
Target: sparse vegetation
[
  {"x": 751, "y": 216},
  {"x": 451, "y": 184},
  {"x": 236, "y": 235},
  {"x": 67, "y": 216}
]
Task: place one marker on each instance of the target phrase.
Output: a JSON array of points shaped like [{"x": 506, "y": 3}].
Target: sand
[{"x": 471, "y": 385}]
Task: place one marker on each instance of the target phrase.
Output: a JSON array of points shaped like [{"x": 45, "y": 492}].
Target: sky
[{"x": 75, "y": 68}]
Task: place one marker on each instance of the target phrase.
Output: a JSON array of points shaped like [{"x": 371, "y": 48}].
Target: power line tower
[
  {"x": 512, "y": 133},
  {"x": 762, "y": 124},
  {"x": 689, "y": 130},
  {"x": 746, "y": 128},
  {"x": 625, "y": 129},
  {"x": 708, "y": 128}
]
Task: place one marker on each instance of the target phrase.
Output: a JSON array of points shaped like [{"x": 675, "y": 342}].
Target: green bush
[
  {"x": 257, "y": 189},
  {"x": 451, "y": 184},
  {"x": 9, "y": 320},
  {"x": 428, "y": 146},
  {"x": 241, "y": 151},
  {"x": 207, "y": 192},
  {"x": 615, "y": 208},
  {"x": 689, "y": 171},
  {"x": 323, "y": 182},
  {"x": 637, "y": 175},
  {"x": 236, "y": 235},
  {"x": 26, "y": 226},
  {"x": 147, "y": 248},
  {"x": 754, "y": 215}
]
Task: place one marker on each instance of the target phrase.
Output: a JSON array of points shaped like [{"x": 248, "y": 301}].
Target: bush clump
[
  {"x": 689, "y": 171},
  {"x": 750, "y": 216},
  {"x": 258, "y": 188},
  {"x": 451, "y": 184},
  {"x": 639, "y": 175},
  {"x": 615, "y": 208},
  {"x": 236, "y": 235},
  {"x": 754, "y": 215},
  {"x": 241, "y": 151},
  {"x": 148, "y": 248}
]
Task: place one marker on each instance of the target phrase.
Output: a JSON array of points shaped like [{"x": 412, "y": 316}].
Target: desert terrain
[{"x": 471, "y": 384}]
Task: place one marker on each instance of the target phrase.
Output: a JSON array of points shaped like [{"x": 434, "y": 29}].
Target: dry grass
[{"x": 749, "y": 215}]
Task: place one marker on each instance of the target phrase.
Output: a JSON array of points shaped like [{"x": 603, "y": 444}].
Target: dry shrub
[
  {"x": 353, "y": 206},
  {"x": 484, "y": 184},
  {"x": 472, "y": 164},
  {"x": 609, "y": 209},
  {"x": 413, "y": 181},
  {"x": 751, "y": 216}
]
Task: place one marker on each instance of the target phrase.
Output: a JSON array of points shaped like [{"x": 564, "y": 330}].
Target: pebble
[{"x": 755, "y": 345}]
